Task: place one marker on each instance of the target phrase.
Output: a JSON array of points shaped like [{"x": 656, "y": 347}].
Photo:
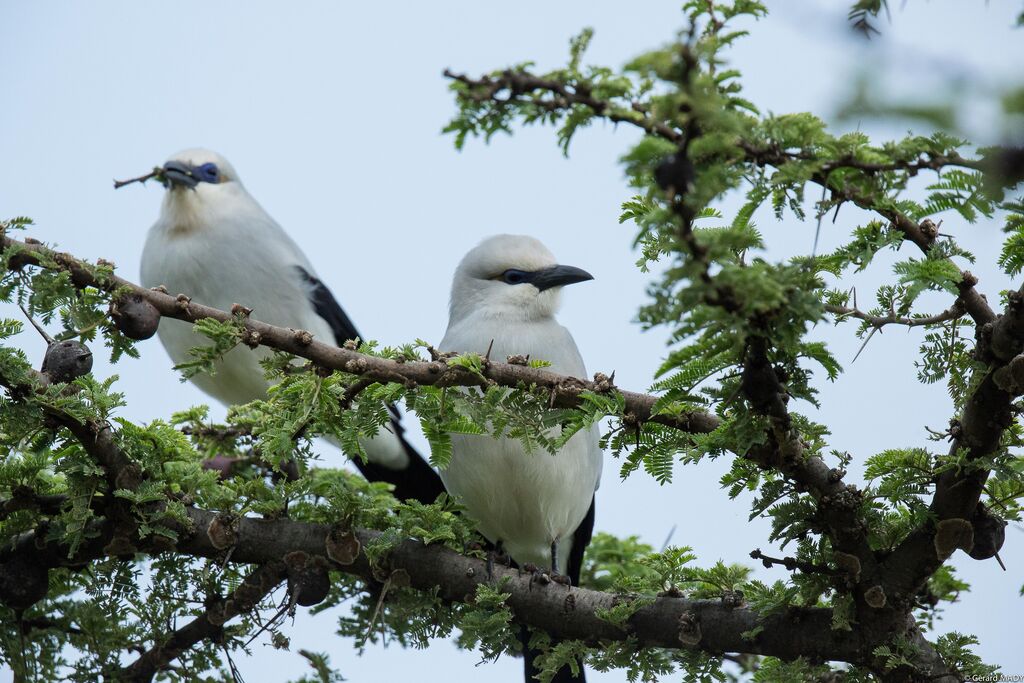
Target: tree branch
[
  {"x": 564, "y": 96},
  {"x": 954, "y": 312},
  {"x": 564, "y": 390},
  {"x": 986, "y": 415},
  {"x": 565, "y": 612},
  {"x": 523, "y": 87},
  {"x": 209, "y": 625}
]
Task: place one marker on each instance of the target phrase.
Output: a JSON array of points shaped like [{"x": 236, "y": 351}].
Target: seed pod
[
  {"x": 66, "y": 360},
  {"x": 675, "y": 172},
  {"x": 308, "y": 580},
  {"x": 135, "y": 317},
  {"x": 989, "y": 534},
  {"x": 22, "y": 582}
]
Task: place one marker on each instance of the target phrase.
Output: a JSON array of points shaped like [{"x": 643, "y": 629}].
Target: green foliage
[
  {"x": 954, "y": 648},
  {"x": 487, "y": 624},
  {"x": 716, "y": 289}
]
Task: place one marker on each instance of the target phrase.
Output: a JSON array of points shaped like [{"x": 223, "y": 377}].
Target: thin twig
[{"x": 157, "y": 173}]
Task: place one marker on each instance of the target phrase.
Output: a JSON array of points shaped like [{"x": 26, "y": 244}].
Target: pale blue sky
[{"x": 331, "y": 114}]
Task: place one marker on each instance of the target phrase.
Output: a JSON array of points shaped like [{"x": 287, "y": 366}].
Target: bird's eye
[
  {"x": 514, "y": 277},
  {"x": 209, "y": 173}
]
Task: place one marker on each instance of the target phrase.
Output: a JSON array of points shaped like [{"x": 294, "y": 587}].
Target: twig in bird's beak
[{"x": 157, "y": 173}]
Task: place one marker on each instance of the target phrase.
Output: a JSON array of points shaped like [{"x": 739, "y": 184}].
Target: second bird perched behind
[{"x": 216, "y": 244}]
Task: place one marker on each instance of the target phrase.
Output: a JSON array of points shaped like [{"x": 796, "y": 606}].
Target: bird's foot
[{"x": 496, "y": 554}]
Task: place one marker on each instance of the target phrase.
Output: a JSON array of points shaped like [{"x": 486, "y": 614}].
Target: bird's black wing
[
  {"x": 417, "y": 480},
  {"x": 327, "y": 307}
]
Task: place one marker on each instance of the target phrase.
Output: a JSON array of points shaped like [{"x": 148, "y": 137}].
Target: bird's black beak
[
  {"x": 177, "y": 174},
  {"x": 558, "y": 276}
]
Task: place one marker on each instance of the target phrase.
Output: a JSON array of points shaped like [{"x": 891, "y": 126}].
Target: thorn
[
  {"x": 39, "y": 329},
  {"x": 1000, "y": 561},
  {"x": 668, "y": 539},
  {"x": 872, "y": 334},
  {"x": 817, "y": 229},
  {"x": 487, "y": 356}
]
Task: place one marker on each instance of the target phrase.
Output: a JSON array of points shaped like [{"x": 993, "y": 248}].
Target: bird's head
[
  {"x": 511, "y": 276},
  {"x": 197, "y": 182}
]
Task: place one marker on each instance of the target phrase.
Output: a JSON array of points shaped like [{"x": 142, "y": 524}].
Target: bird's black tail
[
  {"x": 416, "y": 481},
  {"x": 580, "y": 541},
  {"x": 564, "y": 675}
]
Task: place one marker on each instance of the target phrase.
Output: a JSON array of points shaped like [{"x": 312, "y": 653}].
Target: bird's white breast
[
  {"x": 219, "y": 247},
  {"x": 238, "y": 255},
  {"x": 526, "y": 500}
]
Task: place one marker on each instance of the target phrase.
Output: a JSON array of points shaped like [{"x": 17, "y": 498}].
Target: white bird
[
  {"x": 538, "y": 506},
  {"x": 216, "y": 244}
]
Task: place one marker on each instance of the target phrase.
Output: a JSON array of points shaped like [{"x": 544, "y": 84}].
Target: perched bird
[
  {"x": 539, "y": 507},
  {"x": 216, "y": 244}
]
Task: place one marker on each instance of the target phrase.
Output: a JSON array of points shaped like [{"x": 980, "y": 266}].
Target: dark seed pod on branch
[
  {"x": 135, "y": 317},
  {"x": 989, "y": 534},
  {"x": 23, "y": 582},
  {"x": 308, "y": 580},
  {"x": 676, "y": 172},
  {"x": 66, "y": 360}
]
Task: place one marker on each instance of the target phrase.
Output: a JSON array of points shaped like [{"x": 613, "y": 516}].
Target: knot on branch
[
  {"x": 1010, "y": 377},
  {"x": 518, "y": 359},
  {"x": 342, "y": 545},
  {"x": 303, "y": 337},
  {"x": 603, "y": 383},
  {"x": 356, "y": 366},
  {"x": 120, "y": 546},
  {"x": 951, "y": 534},
  {"x": 223, "y": 531},
  {"x": 733, "y": 599},
  {"x": 875, "y": 597},
  {"x": 689, "y": 629},
  {"x": 128, "y": 477},
  {"x": 929, "y": 229},
  {"x": 251, "y": 338},
  {"x": 240, "y": 311},
  {"x": 847, "y": 563}
]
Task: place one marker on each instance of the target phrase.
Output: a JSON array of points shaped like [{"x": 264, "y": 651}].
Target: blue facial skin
[
  {"x": 208, "y": 173},
  {"x": 555, "y": 276}
]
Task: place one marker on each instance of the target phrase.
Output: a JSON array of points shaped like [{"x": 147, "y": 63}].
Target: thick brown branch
[
  {"x": 24, "y": 498},
  {"x": 564, "y": 391},
  {"x": 838, "y": 503},
  {"x": 566, "y": 613},
  {"x": 257, "y": 585},
  {"x": 987, "y": 414}
]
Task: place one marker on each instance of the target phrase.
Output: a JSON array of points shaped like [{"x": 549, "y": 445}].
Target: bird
[
  {"x": 213, "y": 242},
  {"x": 537, "y": 507}
]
